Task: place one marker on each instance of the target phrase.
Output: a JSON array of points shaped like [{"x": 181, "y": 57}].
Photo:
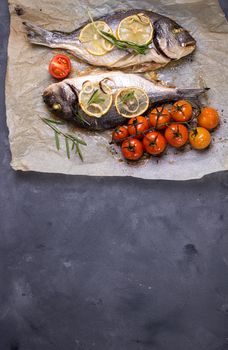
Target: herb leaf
[
  {"x": 121, "y": 44},
  {"x": 67, "y": 147},
  {"x": 128, "y": 97},
  {"x": 95, "y": 98},
  {"x": 68, "y": 137},
  {"x": 124, "y": 45},
  {"x": 79, "y": 152},
  {"x": 76, "y": 139},
  {"x": 57, "y": 141},
  {"x": 52, "y": 121},
  {"x": 79, "y": 116}
]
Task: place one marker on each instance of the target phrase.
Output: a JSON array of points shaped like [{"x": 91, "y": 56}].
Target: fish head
[
  {"x": 173, "y": 40},
  {"x": 61, "y": 99}
]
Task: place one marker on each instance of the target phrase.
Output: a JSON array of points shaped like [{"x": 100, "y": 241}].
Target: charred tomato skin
[
  {"x": 208, "y": 118},
  {"x": 181, "y": 111},
  {"x": 119, "y": 134},
  {"x": 159, "y": 117},
  {"x": 154, "y": 143},
  {"x": 199, "y": 138},
  {"x": 176, "y": 135},
  {"x": 137, "y": 126},
  {"x": 132, "y": 149}
]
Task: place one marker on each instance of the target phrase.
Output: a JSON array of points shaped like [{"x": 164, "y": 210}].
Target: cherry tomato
[
  {"x": 120, "y": 133},
  {"x": 60, "y": 66},
  {"x": 208, "y": 118},
  {"x": 132, "y": 149},
  {"x": 137, "y": 125},
  {"x": 181, "y": 111},
  {"x": 176, "y": 135},
  {"x": 158, "y": 117},
  {"x": 200, "y": 138},
  {"x": 154, "y": 142}
]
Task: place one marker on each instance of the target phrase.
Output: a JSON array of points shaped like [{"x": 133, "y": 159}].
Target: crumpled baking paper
[{"x": 32, "y": 142}]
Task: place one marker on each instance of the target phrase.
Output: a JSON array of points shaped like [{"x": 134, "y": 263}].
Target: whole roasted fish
[
  {"x": 170, "y": 42},
  {"x": 62, "y": 98}
]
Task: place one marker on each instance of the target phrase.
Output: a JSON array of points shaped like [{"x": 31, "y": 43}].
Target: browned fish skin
[{"x": 170, "y": 42}]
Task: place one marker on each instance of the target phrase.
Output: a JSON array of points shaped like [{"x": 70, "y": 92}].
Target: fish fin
[
  {"x": 142, "y": 68},
  {"x": 191, "y": 93},
  {"x": 91, "y": 71},
  {"x": 37, "y": 35},
  {"x": 153, "y": 76}
]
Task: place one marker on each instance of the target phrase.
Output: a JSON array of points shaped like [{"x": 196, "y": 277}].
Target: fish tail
[
  {"x": 37, "y": 35},
  {"x": 191, "y": 93}
]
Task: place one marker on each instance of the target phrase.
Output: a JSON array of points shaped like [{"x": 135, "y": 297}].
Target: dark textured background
[{"x": 109, "y": 263}]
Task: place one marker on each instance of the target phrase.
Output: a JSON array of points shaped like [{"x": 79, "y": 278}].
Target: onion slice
[
  {"x": 106, "y": 85},
  {"x": 87, "y": 87}
]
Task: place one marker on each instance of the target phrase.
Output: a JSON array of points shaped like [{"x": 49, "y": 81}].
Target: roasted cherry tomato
[
  {"x": 60, "y": 66},
  {"x": 208, "y": 118},
  {"x": 132, "y": 149},
  {"x": 120, "y": 133},
  {"x": 181, "y": 111},
  {"x": 159, "y": 117},
  {"x": 200, "y": 138},
  {"x": 137, "y": 126},
  {"x": 154, "y": 143},
  {"x": 176, "y": 135}
]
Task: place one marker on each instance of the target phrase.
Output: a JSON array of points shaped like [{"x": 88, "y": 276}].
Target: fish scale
[
  {"x": 170, "y": 42},
  {"x": 65, "y": 94}
]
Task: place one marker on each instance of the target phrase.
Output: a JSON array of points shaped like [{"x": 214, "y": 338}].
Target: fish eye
[{"x": 56, "y": 106}]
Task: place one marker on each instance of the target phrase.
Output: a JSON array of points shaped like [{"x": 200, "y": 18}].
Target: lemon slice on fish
[
  {"x": 94, "y": 101},
  {"x": 93, "y": 41},
  {"x": 137, "y": 29},
  {"x": 131, "y": 102}
]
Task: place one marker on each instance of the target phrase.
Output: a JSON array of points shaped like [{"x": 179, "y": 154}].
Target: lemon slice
[
  {"x": 137, "y": 29},
  {"x": 93, "y": 41},
  {"x": 131, "y": 102},
  {"x": 93, "y": 100}
]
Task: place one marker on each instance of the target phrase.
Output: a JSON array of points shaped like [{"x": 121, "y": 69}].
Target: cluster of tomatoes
[{"x": 166, "y": 126}]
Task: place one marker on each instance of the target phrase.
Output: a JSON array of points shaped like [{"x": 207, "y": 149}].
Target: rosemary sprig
[
  {"x": 79, "y": 116},
  {"x": 95, "y": 98},
  {"x": 76, "y": 142},
  {"x": 121, "y": 44},
  {"x": 128, "y": 97},
  {"x": 124, "y": 45}
]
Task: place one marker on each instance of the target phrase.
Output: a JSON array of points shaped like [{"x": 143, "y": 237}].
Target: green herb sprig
[
  {"x": 95, "y": 98},
  {"x": 74, "y": 140},
  {"x": 128, "y": 97},
  {"x": 121, "y": 44},
  {"x": 77, "y": 115}
]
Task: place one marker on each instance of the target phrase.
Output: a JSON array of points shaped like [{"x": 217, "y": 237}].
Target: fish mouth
[{"x": 189, "y": 43}]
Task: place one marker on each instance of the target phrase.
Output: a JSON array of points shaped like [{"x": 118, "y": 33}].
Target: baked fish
[
  {"x": 169, "y": 42},
  {"x": 63, "y": 98}
]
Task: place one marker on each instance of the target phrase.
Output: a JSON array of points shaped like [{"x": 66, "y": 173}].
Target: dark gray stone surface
[{"x": 110, "y": 264}]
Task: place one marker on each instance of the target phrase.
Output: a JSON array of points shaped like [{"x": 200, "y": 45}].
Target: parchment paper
[{"x": 32, "y": 142}]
